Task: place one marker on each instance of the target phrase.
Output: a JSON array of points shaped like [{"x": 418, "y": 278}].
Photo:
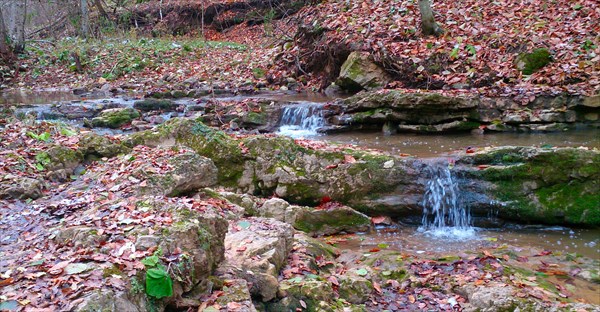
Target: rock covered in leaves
[
  {"x": 187, "y": 173},
  {"x": 256, "y": 249}
]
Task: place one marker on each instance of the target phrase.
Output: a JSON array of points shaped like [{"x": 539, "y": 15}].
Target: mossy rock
[
  {"x": 115, "y": 118},
  {"x": 528, "y": 63},
  {"x": 150, "y": 104},
  {"x": 332, "y": 221},
  {"x": 97, "y": 145},
  {"x": 552, "y": 186}
]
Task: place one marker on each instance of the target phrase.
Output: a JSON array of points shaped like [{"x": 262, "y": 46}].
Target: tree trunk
[
  {"x": 85, "y": 19},
  {"x": 6, "y": 53},
  {"x": 428, "y": 24},
  {"x": 19, "y": 30}
]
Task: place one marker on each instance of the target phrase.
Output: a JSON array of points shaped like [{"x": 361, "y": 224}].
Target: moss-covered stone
[
  {"x": 553, "y": 186},
  {"x": 332, "y": 221},
  {"x": 115, "y": 118},
  {"x": 151, "y": 104},
  {"x": 92, "y": 144},
  {"x": 528, "y": 63}
]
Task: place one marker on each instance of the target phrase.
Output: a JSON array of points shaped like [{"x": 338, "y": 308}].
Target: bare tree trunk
[
  {"x": 5, "y": 48},
  {"x": 20, "y": 19},
  {"x": 85, "y": 19},
  {"x": 428, "y": 24}
]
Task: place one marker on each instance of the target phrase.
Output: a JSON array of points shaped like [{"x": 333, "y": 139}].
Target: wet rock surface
[{"x": 436, "y": 113}]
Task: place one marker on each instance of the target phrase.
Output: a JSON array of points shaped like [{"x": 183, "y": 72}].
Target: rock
[
  {"x": 79, "y": 236},
  {"x": 330, "y": 221},
  {"x": 313, "y": 293},
  {"x": 60, "y": 162},
  {"x": 566, "y": 181},
  {"x": 189, "y": 173},
  {"x": 151, "y": 104},
  {"x": 21, "y": 188},
  {"x": 257, "y": 252},
  {"x": 528, "y": 63},
  {"x": 491, "y": 297},
  {"x": 592, "y": 101},
  {"x": 146, "y": 242},
  {"x": 109, "y": 300},
  {"x": 115, "y": 117},
  {"x": 354, "y": 289},
  {"x": 274, "y": 208},
  {"x": 97, "y": 145},
  {"x": 236, "y": 296},
  {"x": 360, "y": 72}
]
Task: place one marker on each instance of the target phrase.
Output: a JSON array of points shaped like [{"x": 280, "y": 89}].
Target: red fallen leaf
[
  {"x": 404, "y": 155},
  {"x": 470, "y": 150},
  {"x": 374, "y": 249},
  {"x": 325, "y": 200},
  {"x": 522, "y": 259},
  {"x": 543, "y": 253},
  {"x": 377, "y": 287},
  {"x": 481, "y": 167},
  {"x": 487, "y": 253},
  {"x": 411, "y": 299},
  {"x": 506, "y": 258},
  {"x": 331, "y": 166},
  {"x": 233, "y": 305},
  {"x": 241, "y": 249},
  {"x": 349, "y": 159},
  {"x": 422, "y": 305},
  {"x": 394, "y": 283},
  {"x": 6, "y": 282}
]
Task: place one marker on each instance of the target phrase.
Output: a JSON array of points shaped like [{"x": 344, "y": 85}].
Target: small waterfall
[
  {"x": 302, "y": 120},
  {"x": 443, "y": 213}
]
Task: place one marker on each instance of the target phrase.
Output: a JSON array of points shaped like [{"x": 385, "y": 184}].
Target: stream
[{"x": 459, "y": 236}]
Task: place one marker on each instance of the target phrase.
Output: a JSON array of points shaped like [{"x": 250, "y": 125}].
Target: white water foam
[
  {"x": 302, "y": 120},
  {"x": 443, "y": 214}
]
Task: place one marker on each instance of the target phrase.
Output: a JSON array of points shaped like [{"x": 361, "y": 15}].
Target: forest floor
[{"x": 476, "y": 54}]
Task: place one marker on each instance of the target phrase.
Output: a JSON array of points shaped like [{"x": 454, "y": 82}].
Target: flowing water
[
  {"x": 302, "y": 120},
  {"x": 444, "y": 215}
]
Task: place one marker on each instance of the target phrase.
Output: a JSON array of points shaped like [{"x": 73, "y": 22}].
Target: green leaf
[
  {"x": 362, "y": 272},
  {"x": 383, "y": 245},
  {"x": 244, "y": 224},
  {"x": 151, "y": 261},
  {"x": 44, "y": 136},
  {"x": 39, "y": 167},
  {"x": 158, "y": 283}
]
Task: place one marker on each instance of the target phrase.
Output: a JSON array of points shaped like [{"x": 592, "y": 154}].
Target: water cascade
[
  {"x": 302, "y": 119},
  {"x": 443, "y": 214}
]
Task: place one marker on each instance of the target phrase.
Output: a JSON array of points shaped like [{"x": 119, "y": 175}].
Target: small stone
[
  {"x": 388, "y": 164},
  {"x": 283, "y": 88}
]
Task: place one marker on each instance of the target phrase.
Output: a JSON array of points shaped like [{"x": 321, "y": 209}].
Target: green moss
[
  {"x": 317, "y": 220},
  {"x": 112, "y": 270},
  {"x": 468, "y": 125},
  {"x": 564, "y": 182},
  {"x": 255, "y": 118},
  {"x": 115, "y": 118},
  {"x": 529, "y": 63}
]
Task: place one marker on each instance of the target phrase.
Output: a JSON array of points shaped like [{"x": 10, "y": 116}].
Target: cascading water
[
  {"x": 302, "y": 120},
  {"x": 444, "y": 215}
]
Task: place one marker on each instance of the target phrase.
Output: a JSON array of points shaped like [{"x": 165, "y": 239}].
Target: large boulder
[
  {"x": 256, "y": 249},
  {"x": 188, "y": 173},
  {"x": 552, "y": 186},
  {"x": 359, "y": 72}
]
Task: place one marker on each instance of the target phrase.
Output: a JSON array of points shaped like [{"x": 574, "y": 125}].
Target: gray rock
[
  {"x": 21, "y": 188},
  {"x": 360, "y": 72}
]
